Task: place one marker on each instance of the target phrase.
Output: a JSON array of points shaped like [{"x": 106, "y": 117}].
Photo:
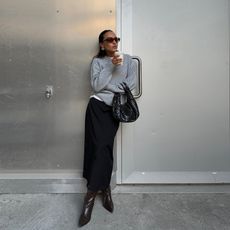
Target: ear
[{"x": 102, "y": 46}]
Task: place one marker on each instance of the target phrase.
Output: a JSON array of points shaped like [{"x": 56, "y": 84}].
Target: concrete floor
[{"x": 136, "y": 211}]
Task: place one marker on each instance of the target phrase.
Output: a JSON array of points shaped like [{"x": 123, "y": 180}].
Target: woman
[{"x": 108, "y": 71}]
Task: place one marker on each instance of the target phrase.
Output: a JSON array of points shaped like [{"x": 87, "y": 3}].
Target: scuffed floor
[{"x": 134, "y": 211}]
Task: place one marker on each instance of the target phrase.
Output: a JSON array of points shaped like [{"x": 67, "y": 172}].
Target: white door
[{"x": 182, "y": 135}]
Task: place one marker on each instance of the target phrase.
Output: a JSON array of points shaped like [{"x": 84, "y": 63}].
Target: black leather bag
[{"x": 127, "y": 112}]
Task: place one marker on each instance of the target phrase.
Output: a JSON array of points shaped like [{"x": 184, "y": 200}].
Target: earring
[{"x": 102, "y": 48}]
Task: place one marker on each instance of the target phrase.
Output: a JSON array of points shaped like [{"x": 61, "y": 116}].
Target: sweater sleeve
[
  {"x": 100, "y": 75},
  {"x": 131, "y": 75},
  {"x": 115, "y": 88},
  {"x": 130, "y": 79}
]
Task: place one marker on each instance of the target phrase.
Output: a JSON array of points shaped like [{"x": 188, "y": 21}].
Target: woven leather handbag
[{"x": 127, "y": 112}]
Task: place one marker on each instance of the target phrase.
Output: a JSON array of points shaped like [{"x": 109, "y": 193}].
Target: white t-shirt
[{"x": 96, "y": 97}]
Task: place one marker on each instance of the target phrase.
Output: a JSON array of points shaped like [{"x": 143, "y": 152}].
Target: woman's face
[{"x": 110, "y": 43}]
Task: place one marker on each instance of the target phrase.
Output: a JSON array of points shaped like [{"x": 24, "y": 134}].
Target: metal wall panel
[{"x": 47, "y": 43}]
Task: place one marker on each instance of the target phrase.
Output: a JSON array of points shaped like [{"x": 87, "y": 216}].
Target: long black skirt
[{"x": 100, "y": 131}]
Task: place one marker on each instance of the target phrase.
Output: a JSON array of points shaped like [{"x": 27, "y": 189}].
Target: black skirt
[{"x": 100, "y": 131}]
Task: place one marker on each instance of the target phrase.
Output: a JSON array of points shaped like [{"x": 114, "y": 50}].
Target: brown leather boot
[
  {"x": 87, "y": 207},
  {"x": 107, "y": 199}
]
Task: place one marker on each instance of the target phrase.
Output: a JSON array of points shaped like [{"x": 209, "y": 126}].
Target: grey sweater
[{"x": 106, "y": 77}]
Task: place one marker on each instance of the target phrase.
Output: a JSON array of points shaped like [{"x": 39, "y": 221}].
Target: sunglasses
[{"x": 110, "y": 39}]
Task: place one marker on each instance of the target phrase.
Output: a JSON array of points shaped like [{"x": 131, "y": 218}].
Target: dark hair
[{"x": 101, "y": 53}]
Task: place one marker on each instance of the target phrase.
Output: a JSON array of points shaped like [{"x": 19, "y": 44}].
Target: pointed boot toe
[{"x": 83, "y": 221}]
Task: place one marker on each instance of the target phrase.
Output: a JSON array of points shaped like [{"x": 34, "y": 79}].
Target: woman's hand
[{"x": 116, "y": 60}]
